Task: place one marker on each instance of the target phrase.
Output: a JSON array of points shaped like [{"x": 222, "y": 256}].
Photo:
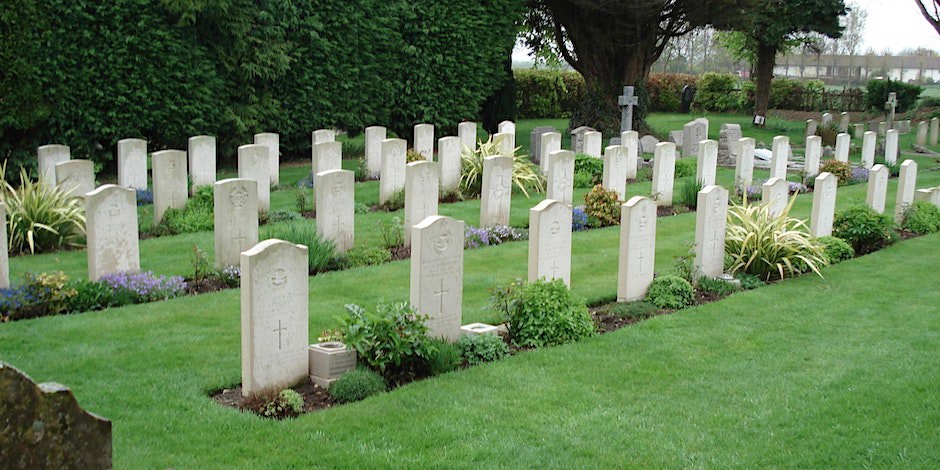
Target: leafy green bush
[
  {"x": 41, "y": 218},
  {"x": 665, "y": 90},
  {"x": 196, "y": 216},
  {"x": 749, "y": 281},
  {"x": 91, "y": 295},
  {"x": 670, "y": 292},
  {"x": 393, "y": 340},
  {"x": 286, "y": 403},
  {"x": 412, "y": 155},
  {"x": 546, "y": 93},
  {"x": 716, "y": 286},
  {"x": 583, "y": 180},
  {"x": 876, "y": 94},
  {"x": 39, "y": 295},
  {"x": 367, "y": 256},
  {"x": 770, "y": 246},
  {"x": 525, "y": 176},
  {"x": 357, "y": 384},
  {"x": 638, "y": 310},
  {"x": 836, "y": 249},
  {"x": 922, "y": 217},
  {"x": 841, "y": 170},
  {"x": 446, "y": 357},
  {"x": 864, "y": 228},
  {"x": 542, "y": 313},
  {"x": 395, "y": 202},
  {"x": 588, "y": 165},
  {"x": 688, "y": 193},
  {"x": 716, "y": 92},
  {"x": 477, "y": 349},
  {"x": 283, "y": 215},
  {"x": 320, "y": 251},
  {"x": 686, "y": 167},
  {"x": 602, "y": 206}
]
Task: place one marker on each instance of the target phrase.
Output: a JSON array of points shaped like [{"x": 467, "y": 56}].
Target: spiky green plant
[
  {"x": 525, "y": 175},
  {"x": 39, "y": 217},
  {"x": 768, "y": 246}
]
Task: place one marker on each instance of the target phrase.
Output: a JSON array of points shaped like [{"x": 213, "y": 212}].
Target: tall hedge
[
  {"x": 876, "y": 94},
  {"x": 165, "y": 70}
]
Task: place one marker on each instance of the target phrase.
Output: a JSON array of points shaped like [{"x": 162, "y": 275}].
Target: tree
[
  {"x": 933, "y": 14},
  {"x": 775, "y": 25},
  {"x": 613, "y": 43}
]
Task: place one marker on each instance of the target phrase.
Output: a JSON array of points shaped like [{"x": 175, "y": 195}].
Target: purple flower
[
  {"x": 859, "y": 174},
  {"x": 579, "y": 218},
  {"x": 145, "y": 286}
]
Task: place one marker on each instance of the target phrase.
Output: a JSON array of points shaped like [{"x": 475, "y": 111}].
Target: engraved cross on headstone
[
  {"x": 279, "y": 330},
  {"x": 554, "y": 269},
  {"x": 239, "y": 235},
  {"x": 440, "y": 297},
  {"x": 565, "y": 183},
  {"x": 890, "y": 107},
  {"x": 627, "y": 101}
]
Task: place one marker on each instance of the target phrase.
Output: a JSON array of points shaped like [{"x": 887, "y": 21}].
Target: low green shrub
[
  {"x": 367, "y": 256},
  {"x": 278, "y": 216},
  {"x": 546, "y": 93},
  {"x": 40, "y": 217},
  {"x": 602, "y": 206},
  {"x": 749, "y": 281},
  {"x": 841, "y": 170},
  {"x": 196, "y": 216},
  {"x": 864, "y": 228},
  {"x": 395, "y": 202},
  {"x": 91, "y": 296},
  {"x": 876, "y": 94},
  {"x": 670, "y": 292},
  {"x": 836, "y": 249},
  {"x": 688, "y": 193},
  {"x": 638, "y": 310},
  {"x": 684, "y": 266},
  {"x": 321, "y": 253},
  {"x": 392, "y": 340},
  {"x": 303, "y": 200},
  {"x": 357, "y": 384},
  {"x": 719, "y": 287},
  {"x": 477, "y": 349},
  {"x": 922, "y": 217},
  {"x": 286, "y": 403},
  {"x": 589, "y": 165},
  {"x": 393, "y": 232},
  {"x": 583, "y": 180},
  {"x": 542, "y": 313},
  {"x": 686, "y": 167},
  {"x": 716, "y": 92},
  {"x": 446, "y": 357}
]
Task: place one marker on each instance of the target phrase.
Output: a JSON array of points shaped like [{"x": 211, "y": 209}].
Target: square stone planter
[
  {"x": 478, "y": 329},
  {"x": 329, "y": 361}
]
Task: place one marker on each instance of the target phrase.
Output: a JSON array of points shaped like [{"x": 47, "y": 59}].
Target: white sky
[{"x": 891, "y": 24}]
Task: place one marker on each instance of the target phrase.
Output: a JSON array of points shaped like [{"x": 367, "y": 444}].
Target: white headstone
[
  {"x": 859, "y": 130},
  {"x": 844, "y": 122},
  {"x": 424, "y": 140},
  {"x": 336, "y": 205},
  {"x": 922, "y": 133},
  {"x": 811, "y": 127},
  {"x": 322, "y": 135},
  {"x": 75, "y": 177},
  {"x": 275, "y": 316},
  {"x": 824, "y": 204},
  {"x": 744, "y": 164},
  {"x": 869, "y": 141},
  {"x": 504, "y": 142},
  {"x": 327, "y": 156},
  {"x": 421, "y": 194},
  {"x": 169, "y": 182},
  {"x": 710, "y": 225},
  {"x": 374, "y": 137},
  {"x": 664, "y": 172},
  {"x": 508, "y": 127},
  {"x": 827, "y": 119},
  {"x": 637, "y": 248},
  {"x": 934, "y": 130},
  {"x": 693, "y": 133},
  {"x": 707, "y": 168},
  {"x": 813, "y": 155},
  {"x": 615, "y": 169},
  {"x": 448, "y": 156},
  {"x": 4, "y": 249},
  {"x": 630, "y": 140},
  {"x": 843, "y": 141},
  {"x": 467, "y": 132},
  {"x": 202, "y": 161},
  {"x": 111, "y": 231},
  {"x": 49, "y": 156},
  {"x": 907, "y": 184},
  {"x": 560, "y": 185},
  {"x": 550, "y": 142},
  {"x": 891, "y": 147},
  {"x": 550, "y": 241},
  {"x": 593, "y": 141},
  {"x": 774, "y": 195},
  {"x": 253, "y": 165},
  {"x": 235, "y": 211},
  {"x": 437, "y": 274},
  {"x": 132, "y": 163},
  {"x": 393, "y": 168},
  {"x": 495, "y": 197},
  {"x": 781, "y": 152},
  {"x": 273, "y": 143},
  {"x": 877, "y": 187}
]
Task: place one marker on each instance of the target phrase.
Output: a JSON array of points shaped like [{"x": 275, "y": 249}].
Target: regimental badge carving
[
  {"x": 279, "y": 278},
  {"x": 556, "y": 227},
  {"x": 442, "y": 243},
  {"x": 644, "y": 218},
  {"x": 239, "y": 196}
]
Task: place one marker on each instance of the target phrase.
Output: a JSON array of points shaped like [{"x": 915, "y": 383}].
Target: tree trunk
[{"x": 764, "y": 75}]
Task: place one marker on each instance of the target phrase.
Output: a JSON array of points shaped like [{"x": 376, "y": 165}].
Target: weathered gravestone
[
  {"x": 904, "y": 127},
  {"x": 826, "y": 119},
  {"x": 891, "y": 147},
  {"x": 549, "y": 143},
  {"x": 781, "y": 153},
  {"x": 273, "y": 142},
  {"x": 75, "y": 177},
  {"x": 637, "y": 248},
  {"x": 327, "y": 156},
  {"x": 811, "y": 127},
  {"x": 169, "y": 182},
  {"x": 335, "y": 202},
  {"x": 922, "y": 133},
  {"x": 627, "y": 101},
  {"x": 437, "y": 274},
  {"x": 424, "y": 140},
  {"x": 560, "y": 184},
  {"x": 275, "y": 318},
  {"x": 774, "y": 195},
  {"x": 877, "y": 187},
  {"x": 859, "y": 130},
  {"x": 448, "y": 156},
  {"x": 648, "y": 144},
  {"x": 496, "y": 188},
  {"x": 49, "y": 156},
  {"x": 693, "y": 133},
  {"x": 706, "y": 170},
  {"x": 813, "y": 155},
  {"x": 253, "y": 165},
  {"x": 509, "y": 128},
  {"x": 577, "y": 138},
  {"x": 550, "y": 241},
  {"x": 843, "y": 141},
  {"x": 374, "y": 137},
  {"x": 202, "y": 161},
  {"x": 593, "y": 141},
  {"x": 728, "y": 136},
  {"x": 882, "y": 128},
  {"x": 393, "y": 168},
  {"x": 907, "y": 184},
  {"x": 676, "y": 137},
  {"x": 44, "y": 427},
  {"x": 664, "y": 169},
  {"x": 844, "y": 122},
  {"x": 616, "y": 162},
  {"x": 890, "y": 108},
  {"x": 4, "y": 249},
  {"x": 132, "y": 163},
  {"x": 868, "y": 149},
  {"x": 824, "y": 204},
  {"x": 235, "y": 211},
  {"x": 535, "y": 142},
  {"x": 504, "y": 142},
  {"x": 710, "y": 225},
  {"x": 744, "y": 165},
  {"x": 467, "y": 132},
  {"x": 934, "y": 130},
  {"x": 111, "y": 231},
  {"x": 421, "y": 194}
]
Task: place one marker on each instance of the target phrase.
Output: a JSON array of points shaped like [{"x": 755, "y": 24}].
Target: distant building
[{"x": 847, "y": 70}]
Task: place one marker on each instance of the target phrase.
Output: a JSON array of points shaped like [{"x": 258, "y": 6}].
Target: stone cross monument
[{"x": 627, "y": 101}]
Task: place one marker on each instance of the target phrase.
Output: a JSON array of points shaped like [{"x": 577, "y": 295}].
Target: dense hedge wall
[
  {"x": 166, "y": 70},
  {"x": 877, "y": 94}
]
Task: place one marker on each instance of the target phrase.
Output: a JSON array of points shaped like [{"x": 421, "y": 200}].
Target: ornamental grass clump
[
  {"x": 41, "y": 218},
  {"x": 770, "y": 246},
  {"x": 525, "y": 176}
]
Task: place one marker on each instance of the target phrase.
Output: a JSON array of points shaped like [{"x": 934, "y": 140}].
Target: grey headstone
[
  {"x": 577, "y": 138},
  {"x": 535, "y": 142},
  {"x": 676, "y": 137},
  {"x": 648, "y": 144},
  {"x": 728, "y": 135}
]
